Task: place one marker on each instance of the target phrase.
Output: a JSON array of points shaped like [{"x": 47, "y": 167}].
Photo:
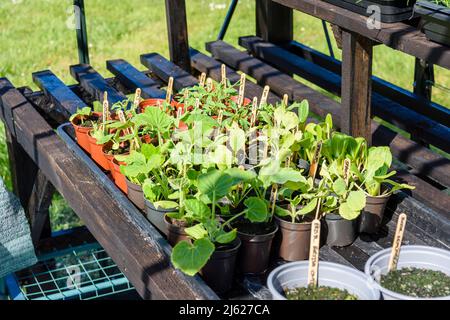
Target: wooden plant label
[
  {"x": 105, "y": 114},
  {"x": 315, "y": 162},
  {"x": 197, "y": 103},
  {"x": 122, "y": 119},
  {"x": 209, "y": 84},
  {"x": 264, "y": 96},
  {"x": 105, "y": 96},
  {"x": 137, "y": 97},
  {"x": 285, "y": 100},
  {"x": 347, "y": 164},
  {"x": 223, "y": 70},
  {"x": 273, "y": 197},
  {"x": 241, "y": 90},
  {"x": 396, "y": 245},
  {"x": 169, "y": 90},
  {"x": 314, "y": 248},
  {"x": 202, "y": 79},
  {"x": 254, "y": 112},
  {"x": 220, "y": 117}
]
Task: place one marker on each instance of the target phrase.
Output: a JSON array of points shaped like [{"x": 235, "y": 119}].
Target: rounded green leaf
[
  {"x": 191, "y": 258},
  {"x": 347, "y": 213},
  {"x": 257, "y": 210},
  {"x": 226, "y": 237},
  {"x": 356, "y": 200},
  {"x": 197, "y": 231},
  {"x": 216, "y": 183}
]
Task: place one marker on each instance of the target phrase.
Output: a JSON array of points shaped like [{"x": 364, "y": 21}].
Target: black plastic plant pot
[
  {"x": 218, "y": 272},
  {"x": 390, "y": 10},
  {"x": 338, "y": 231},
  {"x": 292, "y": 242},
  {"x": 372, "y": 215},
  {"x": 135, "y": 194},
  {"x": 256, "y": 246},
  {"x": 156, "y": 216},
  {"x": 435, "y": 21}
]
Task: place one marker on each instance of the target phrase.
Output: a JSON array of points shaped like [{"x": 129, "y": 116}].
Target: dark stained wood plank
[
  {"x": 356, "y": 90},
  {"x": 165, "y": 69},
  {"x": 399, "y": 36},
  {"x": 132, "y": 78},
  {"x": 38, "y": 208},
  {"x": 131, "y": 241},
  {"x": 397, "y": 94},
  {"x": 212, "y": 68},
  {"x": 274, "y": 22},
  {"x": 63, "y": 98},
  {"x": 95, "y": 84},
  {"x": 178, "y": 33}
]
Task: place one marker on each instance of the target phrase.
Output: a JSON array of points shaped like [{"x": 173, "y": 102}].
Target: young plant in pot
[
  {"x": 214, "y": 247},
  {"x": 373, "y": 177},
  {"x": 98, "y": 137},
  {"x": 83, "y": 121},
  {"x": 342, "y": 207}
]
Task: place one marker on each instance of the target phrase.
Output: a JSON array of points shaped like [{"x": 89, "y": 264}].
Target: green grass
[{"x": 35, "y": 37}]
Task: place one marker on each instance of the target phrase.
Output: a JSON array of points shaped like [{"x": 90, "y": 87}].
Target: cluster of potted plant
[{"x": 228, "y": 180}]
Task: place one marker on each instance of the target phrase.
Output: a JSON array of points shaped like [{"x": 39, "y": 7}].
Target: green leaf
[
  {"x": 356, "y": 200},
  {"x": 282, "y": 212},
  {"x": 226, "y": 237},
  {"x": 191, "y": 258},
  {"x": 197, "y": 209},
  {"x": 303, "y": 111},
  {"x": 166, "y": 204},
  {"x": 215, "y": 183},
  {"x": 257, "y": 210},
  {"x": 339, "y": 186},
  {"x": 197, "y": 231},
  {"x": 347, "y": 213},
  {"x": 240, "y": 175},
  {"x": 310, "y": 207},
  {"x": 236, "y": 138}
]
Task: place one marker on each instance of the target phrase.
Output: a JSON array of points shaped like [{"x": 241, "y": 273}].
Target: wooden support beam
[
  {"x": 132, "y": 242},
  {"x": 274, "y": 22},
  {"x": 164, "y": 69},
  {"x": 356, "y": 85},
  {"x": 178, "y": 33},
  {"x": 95, "y": 84},
  {"x": 132, "y": 79},
  {"x": 64, "y": 100},
  {"x": 38, "y": 208},
  {"x": 406, "y": 98}
]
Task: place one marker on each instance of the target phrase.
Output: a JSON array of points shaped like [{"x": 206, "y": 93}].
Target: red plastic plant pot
[
  {"x": 97, "y": 153},
  {"x": 81, "y": 133}
]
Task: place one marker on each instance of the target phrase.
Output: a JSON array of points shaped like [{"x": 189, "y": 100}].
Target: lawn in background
[{"x": 35, "y": 36}]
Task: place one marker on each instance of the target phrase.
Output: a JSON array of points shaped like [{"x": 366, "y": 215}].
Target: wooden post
[
  {"x": 178, "y": 34},
  {"x": 274, "y": 22},
  {"x": 38, "y": 208},
  {"x": 356, "y": 85},
  {"x": 23, "y": 169}
]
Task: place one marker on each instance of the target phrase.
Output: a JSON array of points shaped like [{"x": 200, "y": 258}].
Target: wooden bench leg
[
  {"x": 38, "y": 208},
  {"x": 356, "y": 85}
]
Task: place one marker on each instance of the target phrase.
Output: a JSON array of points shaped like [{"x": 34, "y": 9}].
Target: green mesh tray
[{"x": 80, "y": 273}]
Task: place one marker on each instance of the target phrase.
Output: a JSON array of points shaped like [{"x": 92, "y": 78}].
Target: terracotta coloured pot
[
  {"x": 247, "y": 101},
  {"x": 97, "y": 153},
  {"x": 119, "y": 178},
  {"x": 153, "y": 103},
  {"x": 81, "y": 133}
]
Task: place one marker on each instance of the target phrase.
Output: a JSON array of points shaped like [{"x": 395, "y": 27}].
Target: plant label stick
[
  {"x": 396, "y": 245},
  {"x": 197, "y": 103},
  {"x": 315, "y": 162},
  {"x": 241, "y": 90},
  {"x": 254, "y": 112},
  {"x": 314, "y": 248},
  {"x": 202, "y": 79},
  {"x": 347, "y": 164},
  {"x": 169, "y": 90},
  {"x": 105, "y": 114},
  {"x": 220, "y": 117},
  {"x": 285, "y": 100},
  {"x": 223, "y": 70},
  {"x": 209, "y": 84},
  {"x": 264, "y": 96},
  {"x": 273, "y": 197},
  {"x": 137, "y": 97}
]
